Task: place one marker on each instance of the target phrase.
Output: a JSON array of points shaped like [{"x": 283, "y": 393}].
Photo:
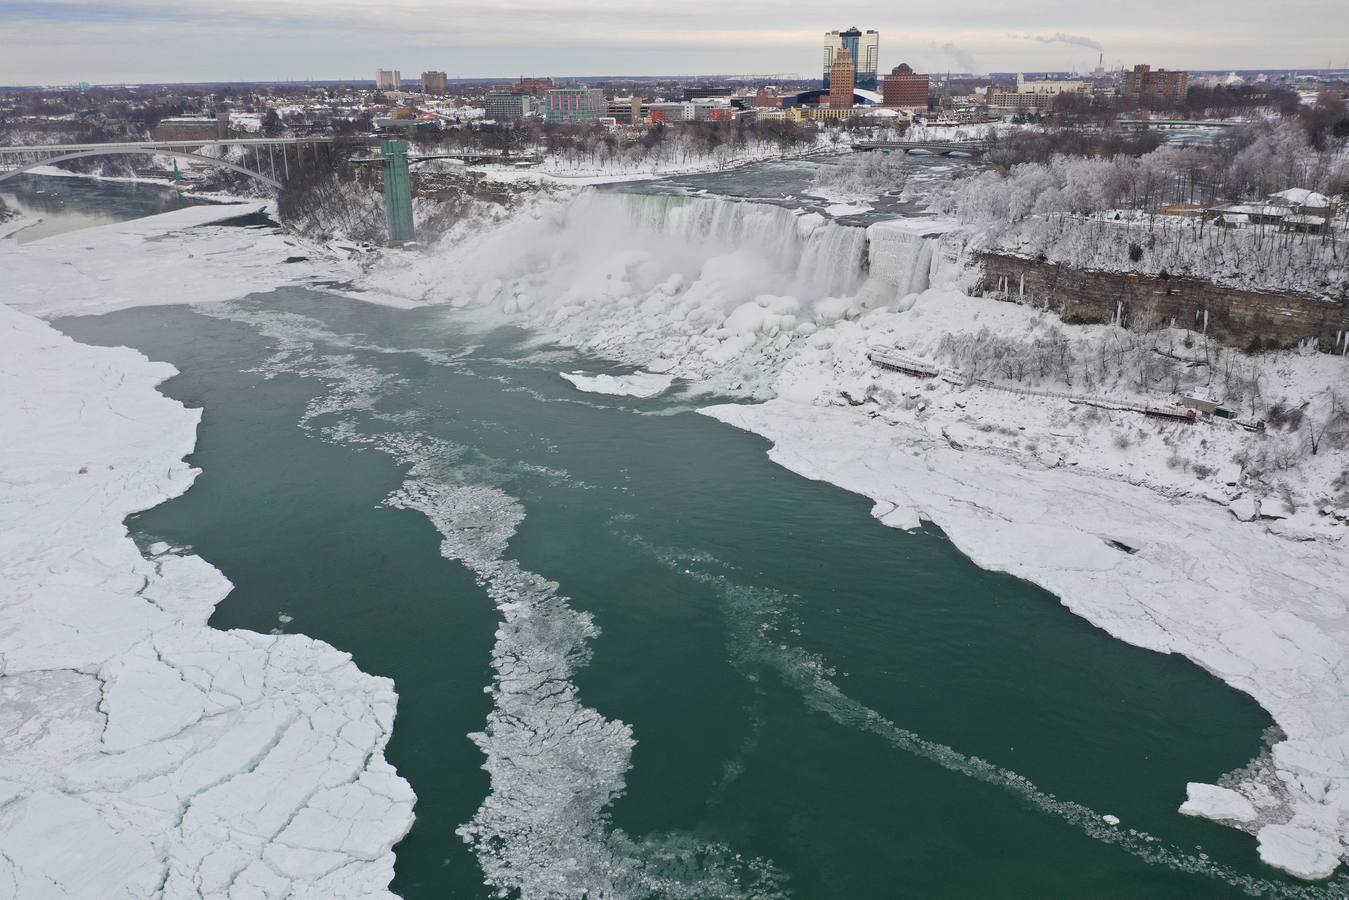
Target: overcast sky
[{"x": 66, "y": 41}]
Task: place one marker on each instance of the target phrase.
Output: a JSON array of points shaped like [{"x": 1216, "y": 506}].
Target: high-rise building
[
  {"x": 388, "y": 80},
  {"x": 435, "y": 83},
  {"x": 842, "y": 79},
  {"x": 571, "y": 105},
  {"x": 1143, "y": 85},
  {"x": 865, "y": 49},
  {"x": 504, "y": 106},
  {"x": 905, "y": 89}
]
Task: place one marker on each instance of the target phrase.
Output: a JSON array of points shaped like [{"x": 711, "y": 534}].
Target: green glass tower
[{"x": 397, "y": 190}]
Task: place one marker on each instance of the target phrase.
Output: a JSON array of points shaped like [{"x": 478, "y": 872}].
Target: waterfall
[
  {"x": 818, "y": 257},
  {"x": 695, "y": 260},
  {"x": 832, "y": 262},
  {"x": 903, "y": 257}
]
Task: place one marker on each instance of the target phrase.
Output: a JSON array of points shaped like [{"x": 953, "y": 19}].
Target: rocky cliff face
[{"x": 1240, "y": 318}]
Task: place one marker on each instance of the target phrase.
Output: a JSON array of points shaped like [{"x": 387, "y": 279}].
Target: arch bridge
[{"x": 15, "y": 160}]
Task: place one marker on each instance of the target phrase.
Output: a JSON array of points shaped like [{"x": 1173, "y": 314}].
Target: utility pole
[{"x": 397, "y": 190}]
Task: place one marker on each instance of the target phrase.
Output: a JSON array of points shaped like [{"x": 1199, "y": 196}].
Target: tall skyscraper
[
  {"x": 388, "y": 80},
  {"x": 863, "y": 47},
  {"x": 842, "y": 78}
]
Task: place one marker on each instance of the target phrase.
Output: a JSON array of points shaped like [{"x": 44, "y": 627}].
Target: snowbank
[
  {"x": 638, "y": 384},
  {"x": 142, "y": 752},
  {"x": 170, "y": 258}
]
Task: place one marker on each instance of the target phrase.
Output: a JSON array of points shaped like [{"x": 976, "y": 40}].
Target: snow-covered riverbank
[
  {"x": 169, "y": 258},
  {"x": 759, "y": 301},
  {"x": 143, "y": 752}
]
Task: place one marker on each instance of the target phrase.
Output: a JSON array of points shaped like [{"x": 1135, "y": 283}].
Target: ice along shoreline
[{"x": 167, "y": 757}]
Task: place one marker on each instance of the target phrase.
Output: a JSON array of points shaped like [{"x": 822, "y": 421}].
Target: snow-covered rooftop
[{"x": 1302, "y": 197}]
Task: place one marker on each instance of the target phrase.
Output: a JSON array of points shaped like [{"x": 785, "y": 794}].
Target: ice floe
[
  {"x": 143, "y": 753},
  {"x": 638, "y": 384}
]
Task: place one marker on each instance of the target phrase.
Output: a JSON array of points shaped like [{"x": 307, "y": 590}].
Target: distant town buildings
[
  {"x": 1143, "y": 85},
  {"x": 570, "y": 105},
  {"x": 767, "y": 98},
  {"x": 1050, "y": 87},
  {"x": 188, "y": 128},
  {"x": 670, "y": 112},
  {"x": 1032, "y": 97},
  {"x": 865, "y": 50},
  {"x": 703, "y": 92},
  {"x": 506, "y": 106},
  {"x": 535, "y": 86},
  {"x": 624, "y": 110},
  {"x": 905, "y": 89},
  {"x": 435, "y": 83},
  {"x": 388, "y": 79}
]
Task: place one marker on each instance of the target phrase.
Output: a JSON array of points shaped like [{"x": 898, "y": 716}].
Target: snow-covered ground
[
  {"x": 143, "y": 753},
  {"x": 1125, "y": 519},
  {"x": 169, "y": 258}
]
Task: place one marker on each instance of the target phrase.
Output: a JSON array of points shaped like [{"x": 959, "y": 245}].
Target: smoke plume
[
  {"x": 963, "y": 59},
  {"x": 1059, "y": 37}
]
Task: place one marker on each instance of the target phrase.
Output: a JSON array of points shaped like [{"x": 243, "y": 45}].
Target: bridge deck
[
  {"x": 1177, "y": 123},
  {"x": 167, "y": 145},
  {"x": 975, "y": 147}
]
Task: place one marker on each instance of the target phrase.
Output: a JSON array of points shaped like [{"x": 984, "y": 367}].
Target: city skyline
[{"x": 65, "y": 41}]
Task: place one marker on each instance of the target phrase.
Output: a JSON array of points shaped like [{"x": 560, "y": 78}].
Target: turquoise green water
[{"x": 822, "y": 707}]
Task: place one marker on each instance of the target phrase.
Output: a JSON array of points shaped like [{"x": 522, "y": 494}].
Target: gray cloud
[{"x": 62, "y": 41}]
